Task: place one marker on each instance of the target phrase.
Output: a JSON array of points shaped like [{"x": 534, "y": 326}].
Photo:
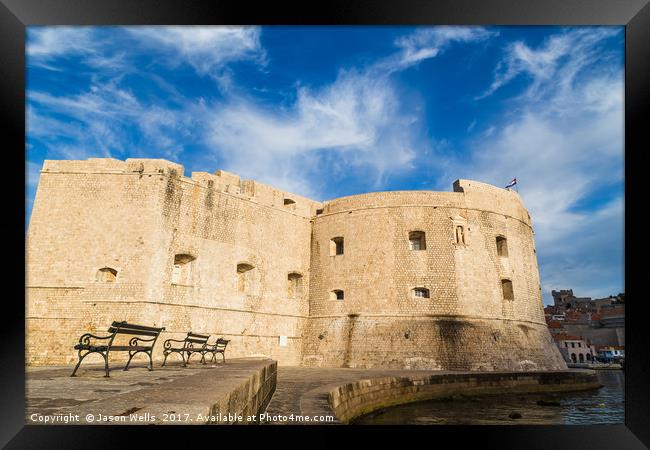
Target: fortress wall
[
  {"x": 134, "y": 216},
  {"x": 381, "y": 323}
]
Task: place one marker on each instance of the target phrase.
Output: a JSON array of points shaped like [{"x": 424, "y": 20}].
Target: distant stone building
[
  {"x": 574, "y": 349},
  {"x": 566, "y": 299},
  {"x": 413, "y": 279}
]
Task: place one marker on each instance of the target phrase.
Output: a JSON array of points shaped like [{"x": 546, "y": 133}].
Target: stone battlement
[{"x": 220, "y": 181}]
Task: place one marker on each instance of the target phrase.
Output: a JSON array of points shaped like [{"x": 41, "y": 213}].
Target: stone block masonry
[{"x": 409, "y": 279}]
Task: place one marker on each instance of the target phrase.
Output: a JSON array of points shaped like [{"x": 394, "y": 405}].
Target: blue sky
[{"x": 332, "y": 111}]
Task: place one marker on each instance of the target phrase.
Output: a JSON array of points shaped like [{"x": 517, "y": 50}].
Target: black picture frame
[{"x": 15, "y": 15}]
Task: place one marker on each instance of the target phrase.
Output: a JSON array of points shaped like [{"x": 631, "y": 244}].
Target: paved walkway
[{"x": 164, "y": 392}]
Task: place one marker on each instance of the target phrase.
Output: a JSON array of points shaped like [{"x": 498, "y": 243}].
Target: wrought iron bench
[
  {"x": 193, "y": 343},
  {"x": 137, "y": 344},
  {"x": 217, "y": 347}
]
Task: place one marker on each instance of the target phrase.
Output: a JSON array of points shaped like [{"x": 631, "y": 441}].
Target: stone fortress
[{"x": 407, "y": 279}]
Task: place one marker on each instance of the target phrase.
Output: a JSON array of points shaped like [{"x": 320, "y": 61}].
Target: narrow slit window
[
  {"x": 421, "y": 292},
  {"x": 417, "y": 240},
  {"x": 502, "y": 246},
  {"x": 336, "y": 246},
  {"x": 106, "y": 275},
  {"x": 508, "y": 293},
  {"x": 337, "y": 294}
]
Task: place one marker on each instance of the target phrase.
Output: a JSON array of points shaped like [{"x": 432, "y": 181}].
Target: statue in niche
[{"x": 460, "y": 235}]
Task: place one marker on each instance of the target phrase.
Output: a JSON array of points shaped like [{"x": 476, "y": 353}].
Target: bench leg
[
  {"x": 188, "y": 358},
  {"x": 106, "y": 364},
  {"x": 131, "y": 355},
  {"x": 169, "y": 353},
  {"x": 79, "y": 362},
  {"x": 150, "y": 361},
  {"x": 223, "y": 355}
]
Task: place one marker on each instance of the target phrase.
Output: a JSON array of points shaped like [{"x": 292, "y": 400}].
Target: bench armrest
[
  {"x": 134, "y": 340},
  {"x": 167, "y": 343},
  {"x": 85, "y": 338}
]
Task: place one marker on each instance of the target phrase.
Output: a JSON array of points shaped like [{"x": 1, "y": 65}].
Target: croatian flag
[{"x": 512, "y": 183}]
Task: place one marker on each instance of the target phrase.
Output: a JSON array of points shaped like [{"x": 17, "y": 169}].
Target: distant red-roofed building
[
  {"x": 555, "y": 326},
  {"x": 600, "y": 321}
]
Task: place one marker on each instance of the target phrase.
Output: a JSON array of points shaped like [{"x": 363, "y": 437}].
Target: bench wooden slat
[
  {"x": 199, "y": 336},
  {"x": 196, "y": 341},
  {"x": 136, "y": 327},
  {"x": 133, "y": 332}
]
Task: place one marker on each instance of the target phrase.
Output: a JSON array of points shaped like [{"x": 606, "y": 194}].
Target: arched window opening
[
  {"x": 294, "y": 285},
  {"x": 106, "y": 275},
  {"x": 502, "y": 246},
  {"x": 460, "y": 234},
  {"x": 581, "y": 357},
  {"x": 588, "y": 357},
  {"x": 573, "y": 357},
  {"x": 417, "y": 240},
  {"x": 421, "y": 292},
  {"x": 508, "y": 293},
  {"x": 337, "y": 294},
  {"x": 182, "y": 269},
  {"x": 245, "y": 278},
  {"x": 336, "y": 246}
]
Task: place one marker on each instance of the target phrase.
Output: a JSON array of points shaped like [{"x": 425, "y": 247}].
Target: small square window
[
  {"x": 417, "y": 240},
  {"x": 421, "y": 292}
]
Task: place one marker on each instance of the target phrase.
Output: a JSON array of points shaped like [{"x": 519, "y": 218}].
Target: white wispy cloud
[
  {"x": 429, "y": 42},
  {"x": 206, "y": 48},
  {"x": 106, "y": 120},
  {"x": 564, "y": 145},
  {"x": 47, "y": 46},
  {"x": 52, "y": 42},
  {"x": 359, "y": 119},
  {"x": 555, "y": 63}
]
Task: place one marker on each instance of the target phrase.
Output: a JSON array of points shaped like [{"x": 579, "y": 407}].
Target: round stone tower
[{"x": 427, "y": 280}]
